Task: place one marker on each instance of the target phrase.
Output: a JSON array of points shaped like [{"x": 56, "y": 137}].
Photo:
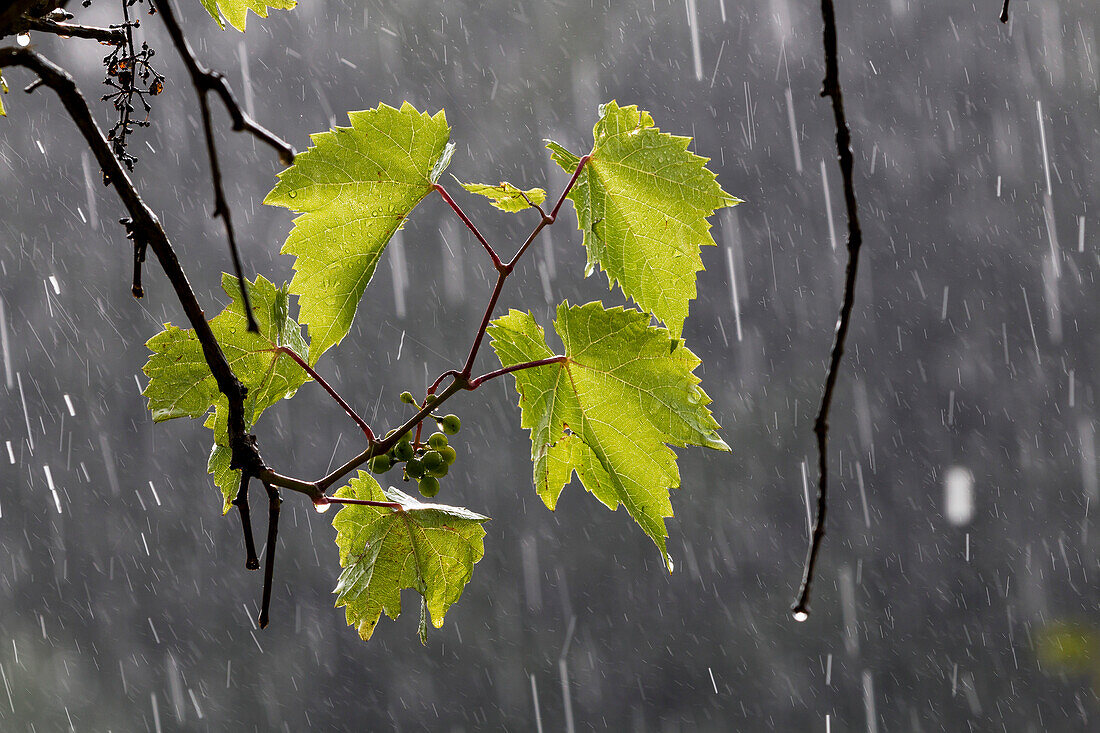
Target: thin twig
[
  {"x": 328, "y": 388},
  {"x": 205, "y": 81},
  {"x": 477, "y": 382},
  {"x": 1004, "y": 12},
  {"x": 831, "y": 88},
  {"x": 140, "y": 246},
  {"x": 139, "y": 258},
  {"x": 208, "y": 81},
  {"x": 454, "y": 373},
  {"x": 568, "y": 187},
  {"x": 251, "y": 562},
  {"x": 275, "y": 502},
  {"x": 221, "y": 210},
  {"x": 110, "y": 36},
  {"x": 533, "y": 204},
  {"x": 469, "y": 225},
  {"x": 309, "y": 488}
]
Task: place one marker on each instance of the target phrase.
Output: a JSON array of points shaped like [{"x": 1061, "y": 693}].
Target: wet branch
[
  {"x": 212, "y": 81},
  {"x": 147, "y": 229},
  {"x": 147, "y": 232},
  {"x": 251, "y": 562},
  {"x": 275, "y": 502},
  {"x": 1004, "y": 12},
  {"x": 831, "y": 88},
  {"x": 110, "y": 36},
  {"x": 206, "y": 81}
]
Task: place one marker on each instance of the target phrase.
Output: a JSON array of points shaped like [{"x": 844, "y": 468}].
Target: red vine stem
[
  {"x": 507, "y": 269},
  {"x": 328, "y": 388},
  {"x": 475, "y": 383},
  {"x": 469, "y": 225}
]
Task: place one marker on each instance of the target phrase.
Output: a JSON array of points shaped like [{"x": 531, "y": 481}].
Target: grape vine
[{"x": 608, "y": 410}]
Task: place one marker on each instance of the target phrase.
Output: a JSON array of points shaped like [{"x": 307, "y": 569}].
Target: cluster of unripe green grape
[{"x": 425, "y": 462}]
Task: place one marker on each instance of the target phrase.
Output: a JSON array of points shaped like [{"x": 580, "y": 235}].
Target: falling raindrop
[{"x": 958, "y": 495}]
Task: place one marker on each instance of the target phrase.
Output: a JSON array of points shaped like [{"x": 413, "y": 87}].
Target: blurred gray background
[{"x": 974, "y": 346}]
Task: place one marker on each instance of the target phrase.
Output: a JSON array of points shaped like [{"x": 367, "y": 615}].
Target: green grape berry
[
  {"x": 450, "y": 424},
  {"x": 408, "y": 398},
  {"x": 438, "y": 441},
  {"x": 429, "y": 486},
  {"x": 439, "y": 471},
  {"x": 404, "y": 450},
  {"x": 432, "y": 460},
  {"x": 380, "y": 464},
  {"x": 414, "y": 468},
  {"x": 449, "y": 454}
]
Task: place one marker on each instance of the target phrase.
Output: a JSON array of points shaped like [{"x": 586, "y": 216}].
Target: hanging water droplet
[
  {"x": 800, "y": 616},
  {"x": 322, "y": 505},
  {"x": 23, "y": 39}
]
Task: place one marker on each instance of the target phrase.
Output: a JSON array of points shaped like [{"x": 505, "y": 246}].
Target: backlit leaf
[
  {"x": 236, "y": 11},
  {"x": 430, "y": 548},
  {"x": 610, "y": 411},
  {"x": 642, "y": 202},
  {"x": 353, "y": 189},
  {"x": 507, "y": 197},
  {"x": 182, "y": 385}
]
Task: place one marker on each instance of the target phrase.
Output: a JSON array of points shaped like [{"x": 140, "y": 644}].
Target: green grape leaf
[
  {"x": 225, "y": 478},
  {"x": 236, "y": 11},
  {"x": 353, "y": 189},
  {"x": 642, "y": 202},
  {"x": 181, "y": 384},
  {"x": 505, "y": 196},
  {"x": 3, "y": 90},
  {"x": 625, "y": 392},
  {"x": 430, "y": 548}
]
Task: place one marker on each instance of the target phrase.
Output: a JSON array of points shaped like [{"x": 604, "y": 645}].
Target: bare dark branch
[
  {"x": 251, "y": 562},
  {"x": 148, "y": 229},
  {"x": 206, "y": 81},
  {"x": 112, "y": 36},
  {"x": 221, "y": 209},
  {"x": 1004, "y": 12},
  {"x": 275, "y": 501},
  {"x": 831, "y": 88},
  {"x": 212, "y": 81}
]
